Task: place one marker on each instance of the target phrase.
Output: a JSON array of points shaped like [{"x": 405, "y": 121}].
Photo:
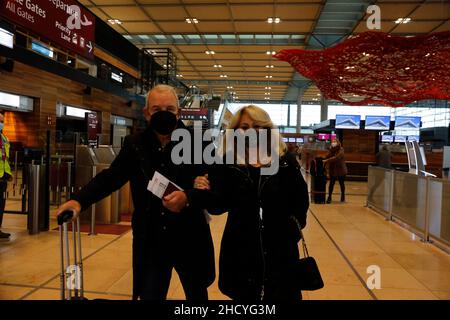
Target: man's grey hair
[{"x": 162, "y": 88}]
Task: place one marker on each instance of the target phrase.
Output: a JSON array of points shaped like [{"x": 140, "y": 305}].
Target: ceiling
[{"x": 239, "y": 34}]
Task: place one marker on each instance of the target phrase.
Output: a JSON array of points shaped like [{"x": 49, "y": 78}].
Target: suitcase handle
[{"x": 64, "y": 217}]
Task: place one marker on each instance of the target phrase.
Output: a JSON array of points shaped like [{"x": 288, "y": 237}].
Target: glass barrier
[
  {"x": 422, "y": 203},
  {"x": 409, "y": 199},
  {"x": 439, "y": 209},
  {"x": 379, "y": 188}
]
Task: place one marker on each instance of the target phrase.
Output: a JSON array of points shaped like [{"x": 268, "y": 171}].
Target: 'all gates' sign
[{"x": 61, "y": 21}]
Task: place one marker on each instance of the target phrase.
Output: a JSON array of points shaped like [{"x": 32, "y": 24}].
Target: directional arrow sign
[{"x": 89, "y": 45}]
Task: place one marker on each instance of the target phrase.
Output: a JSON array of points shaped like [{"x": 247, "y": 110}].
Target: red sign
[
  {"x": 92, "y": 125},
  {"x": 194, "y": 114},
  {"x": 61, "y": 21}
]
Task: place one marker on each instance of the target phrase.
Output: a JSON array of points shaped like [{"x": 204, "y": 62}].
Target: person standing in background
[
  {"x": 384, "y": 158},
  {"x": 5, "y": 173},
  {"x": 337, "y": 169}
]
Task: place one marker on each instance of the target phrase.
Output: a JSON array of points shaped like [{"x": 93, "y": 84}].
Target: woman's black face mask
[{"x": 163, "y": 122}]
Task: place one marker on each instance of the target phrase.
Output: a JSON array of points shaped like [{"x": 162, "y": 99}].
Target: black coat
[
  {"x": 251, "y": 249},
  {"x": 158, "y": 234}
]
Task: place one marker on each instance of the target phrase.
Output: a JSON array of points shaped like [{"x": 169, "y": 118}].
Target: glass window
[
  {"x": 293, "y": 115},
  {"x": 310, "y": 114},
  {"x": 277, "y": 113}
]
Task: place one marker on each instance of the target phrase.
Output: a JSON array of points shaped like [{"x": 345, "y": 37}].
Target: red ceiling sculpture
[{"x": 377, "y": 68}]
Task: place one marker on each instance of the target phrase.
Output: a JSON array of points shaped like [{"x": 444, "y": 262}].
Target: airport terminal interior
[{"x": 373, "y": 74}]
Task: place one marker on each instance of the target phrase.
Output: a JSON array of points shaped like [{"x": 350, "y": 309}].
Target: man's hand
[
  {"x": 70, "y": 205},
  {"x": 175, "y": 201}
]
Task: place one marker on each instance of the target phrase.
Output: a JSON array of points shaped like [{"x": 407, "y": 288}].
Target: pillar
[{"x": 323, "y": 109}]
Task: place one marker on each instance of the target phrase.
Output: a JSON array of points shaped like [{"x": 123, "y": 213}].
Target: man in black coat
[{"x": 167, "y": 233}]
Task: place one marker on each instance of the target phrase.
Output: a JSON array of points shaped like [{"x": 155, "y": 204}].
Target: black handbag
[{"x": 308, "y": 274}]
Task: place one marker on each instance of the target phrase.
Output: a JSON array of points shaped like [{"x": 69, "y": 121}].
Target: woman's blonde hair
[{"x": 261, "y": 119}]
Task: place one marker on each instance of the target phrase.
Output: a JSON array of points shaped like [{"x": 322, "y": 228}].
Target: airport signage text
[{"x": 61, "y": 21}]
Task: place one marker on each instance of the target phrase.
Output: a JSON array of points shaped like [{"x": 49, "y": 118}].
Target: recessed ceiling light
[
  {"x": 270, "y": 52},
  {"x": 223, "y": 76},
  {"x": 273, "y": 20},
  {"x": 403, "y": 20},
  {"x": 268, "y": 88},
  {"x": 210, "y": 52},
  {"x": 217, "y": 66},
  {"x": 269, "y": 77},
  {"x": 179, "y": 75},
  {"x": 191, "y": 20},
  {"x": 114, "y": 21},
  {"x": 269, "y": 66},
  {"x": 229, "y": 87}
]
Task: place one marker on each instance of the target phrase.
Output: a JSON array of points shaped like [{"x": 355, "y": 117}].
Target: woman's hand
[{"x": 202, "y": 182}]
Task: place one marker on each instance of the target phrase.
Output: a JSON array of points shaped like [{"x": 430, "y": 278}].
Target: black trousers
[
  {"x": 341, "y": 180},
  {"x": 153, "y": 263},
  {"x": 3, "y": 186},
  {"x": 156, "y": 282}
]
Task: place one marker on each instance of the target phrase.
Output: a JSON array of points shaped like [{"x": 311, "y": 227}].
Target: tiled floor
[{"x": 345, "y": 239}]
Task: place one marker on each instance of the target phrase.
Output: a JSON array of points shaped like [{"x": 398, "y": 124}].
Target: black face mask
[{"x": 163, "y": 122}]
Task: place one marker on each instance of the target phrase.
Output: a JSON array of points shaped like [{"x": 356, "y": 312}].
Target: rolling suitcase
[
  {"x": 318, "y": 181},
  {"x": 71, "y": 277}
]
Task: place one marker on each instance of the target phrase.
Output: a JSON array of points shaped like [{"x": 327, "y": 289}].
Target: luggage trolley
[{"x": 71, "y": 278}]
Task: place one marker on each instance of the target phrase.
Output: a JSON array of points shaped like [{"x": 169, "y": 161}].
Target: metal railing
[{"x": 420, "y": 204}]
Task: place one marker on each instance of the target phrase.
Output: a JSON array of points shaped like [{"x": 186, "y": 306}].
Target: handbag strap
[{"x": 305, "y": 248}]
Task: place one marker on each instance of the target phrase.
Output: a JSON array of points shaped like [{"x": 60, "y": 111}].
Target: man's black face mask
[{"x": 163, "y": 122}]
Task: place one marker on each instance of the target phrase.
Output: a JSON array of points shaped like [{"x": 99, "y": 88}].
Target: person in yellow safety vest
[{"x": 5, "y": 174}]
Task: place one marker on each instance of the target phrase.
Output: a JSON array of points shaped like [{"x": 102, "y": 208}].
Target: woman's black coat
[
  {"x": 251, "y": 249},
  {"x": 158, "y": 234}
]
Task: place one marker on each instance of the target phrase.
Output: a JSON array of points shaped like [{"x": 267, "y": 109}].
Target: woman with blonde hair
[{"x": 265, "y": 214}]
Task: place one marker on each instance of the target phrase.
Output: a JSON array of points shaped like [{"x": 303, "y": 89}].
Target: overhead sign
[
  {"x": 61, "y": 21},
  {"x": 347, "y": 121}
]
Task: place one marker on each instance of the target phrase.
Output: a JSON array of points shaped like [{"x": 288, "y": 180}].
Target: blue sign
[
  {"x": 377, "y": 122},
  {"x": 387, "y": 138},
  {"x": 400, "y": 138},
  {"x": 347, "y": 121},
  {"x": 407, "y": 123},
  {"x": 42, "y": 49},
  {"x": 414, "y": 138}
]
